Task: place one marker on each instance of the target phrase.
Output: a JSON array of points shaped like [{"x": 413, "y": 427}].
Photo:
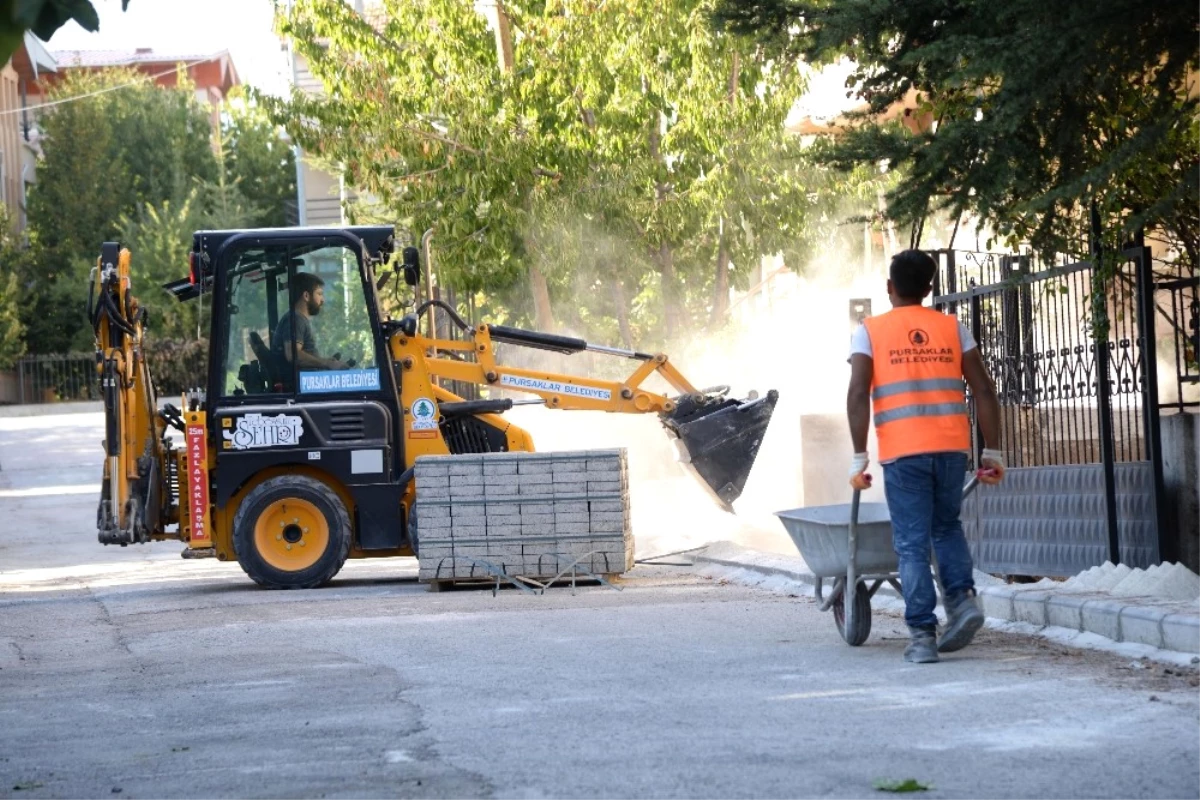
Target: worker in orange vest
[{"x": 910, "y": 364}]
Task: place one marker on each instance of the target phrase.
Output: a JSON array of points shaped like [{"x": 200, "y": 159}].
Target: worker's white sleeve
[
  {"x": 860, "y": 342},
  {"x": 966, "y": 339}
]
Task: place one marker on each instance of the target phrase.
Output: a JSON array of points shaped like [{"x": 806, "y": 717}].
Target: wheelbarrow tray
[{"x": 821, "y": 534}]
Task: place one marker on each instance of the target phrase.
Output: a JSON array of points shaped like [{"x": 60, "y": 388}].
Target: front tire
[{"x": 291, "y": 532}]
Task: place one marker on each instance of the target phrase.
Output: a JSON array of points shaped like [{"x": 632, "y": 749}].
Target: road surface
[{"x": 130, "y": 672}]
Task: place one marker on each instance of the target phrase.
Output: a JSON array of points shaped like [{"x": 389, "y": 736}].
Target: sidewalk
[{"x": 1169, "y": 625}]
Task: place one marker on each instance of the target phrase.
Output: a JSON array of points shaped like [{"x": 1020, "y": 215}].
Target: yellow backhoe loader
[{"x": 298, "y": 445}]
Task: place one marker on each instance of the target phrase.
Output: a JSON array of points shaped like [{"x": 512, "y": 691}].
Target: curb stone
[{"x": 1163, "y": 627}]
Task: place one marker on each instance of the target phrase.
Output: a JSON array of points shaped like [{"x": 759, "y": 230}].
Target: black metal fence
[
  {"x": 1073, "y": 356},
  {"x": 1177, "y": 301},
  {"x": 1060, "y": 391},
  {"x": 52, "y": 379}
]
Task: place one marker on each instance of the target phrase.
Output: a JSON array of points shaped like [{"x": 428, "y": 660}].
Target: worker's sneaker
[
  {"x": 963, "y": 619},
  {"x": 923, "y": 647}
]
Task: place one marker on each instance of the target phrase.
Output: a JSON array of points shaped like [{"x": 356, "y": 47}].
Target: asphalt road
[{"x": 132, "y": 673}]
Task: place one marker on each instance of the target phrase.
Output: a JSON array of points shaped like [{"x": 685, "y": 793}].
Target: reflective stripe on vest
[{"x": 917, "y": 386}]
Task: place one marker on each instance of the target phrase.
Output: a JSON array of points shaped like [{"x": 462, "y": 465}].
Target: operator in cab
[{"x": 294, "y": 340}]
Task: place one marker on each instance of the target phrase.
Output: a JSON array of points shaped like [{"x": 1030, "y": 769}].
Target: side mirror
[{"x": 412, "y": 266}]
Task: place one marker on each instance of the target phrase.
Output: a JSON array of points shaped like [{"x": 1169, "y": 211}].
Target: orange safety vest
[{"x": 917, "y": 388}]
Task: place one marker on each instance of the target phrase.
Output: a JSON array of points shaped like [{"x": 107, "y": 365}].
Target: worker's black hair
[
  {"x": 306, "y": 282},
  {"x": 912, "y": 274}
]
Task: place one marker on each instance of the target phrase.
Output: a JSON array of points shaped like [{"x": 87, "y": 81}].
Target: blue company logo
[{"x": 346, "y": 380}]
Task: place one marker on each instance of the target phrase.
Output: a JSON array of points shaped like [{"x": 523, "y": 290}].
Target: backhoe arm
[
  {"x": 135, "y": 501},
  {"x": 717, "y": 437}
]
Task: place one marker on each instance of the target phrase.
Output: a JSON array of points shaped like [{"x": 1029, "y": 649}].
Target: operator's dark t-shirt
[{"x": 303, "y": 335}]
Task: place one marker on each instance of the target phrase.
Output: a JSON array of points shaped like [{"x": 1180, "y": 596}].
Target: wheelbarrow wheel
[{"x": 860, "y": 627}]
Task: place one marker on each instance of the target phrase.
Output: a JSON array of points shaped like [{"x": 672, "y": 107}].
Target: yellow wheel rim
[{"x": 291, "y": 535}]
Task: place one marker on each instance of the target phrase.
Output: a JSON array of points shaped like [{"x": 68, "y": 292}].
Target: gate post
[
  {"x": 1151, "y": 425},
  {"x": 1104, "y": 386}
]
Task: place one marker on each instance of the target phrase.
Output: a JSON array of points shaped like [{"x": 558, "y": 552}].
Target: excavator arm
[
  {"x": 717, "y": 437},
  {"x": 137, "y": 499}
]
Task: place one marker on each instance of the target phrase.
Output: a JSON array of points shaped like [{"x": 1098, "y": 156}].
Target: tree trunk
[
  {"x": 540, "y": 290},
  {"x": 666, "y": 267},
  {"x": 721, "y": 290},
  {"x": 618, "y": 296}
]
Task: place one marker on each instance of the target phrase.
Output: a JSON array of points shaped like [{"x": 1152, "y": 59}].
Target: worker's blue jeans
[{"x": 924, "y": 497}]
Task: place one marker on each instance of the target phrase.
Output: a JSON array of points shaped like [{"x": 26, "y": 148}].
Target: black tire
[
  {"x": 861, "y": 628},
  {"x": 261, "y": 556}
]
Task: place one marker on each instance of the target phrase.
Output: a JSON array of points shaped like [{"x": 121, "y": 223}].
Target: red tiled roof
[{"x": 125, "y": 58}]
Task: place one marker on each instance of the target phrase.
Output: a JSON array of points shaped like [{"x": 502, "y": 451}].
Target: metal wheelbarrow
[{"x": 851, "y": 543}]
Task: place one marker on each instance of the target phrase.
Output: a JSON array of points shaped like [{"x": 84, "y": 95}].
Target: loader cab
[{"x": 299, "y": 377}]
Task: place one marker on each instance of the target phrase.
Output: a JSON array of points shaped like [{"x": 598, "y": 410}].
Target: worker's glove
[
  {"x": 992, "y": 468},
  {"x": 859, "y": 479}
]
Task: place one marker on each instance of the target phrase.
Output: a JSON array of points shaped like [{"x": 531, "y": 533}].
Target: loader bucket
[{"x": 718, "y": 439}]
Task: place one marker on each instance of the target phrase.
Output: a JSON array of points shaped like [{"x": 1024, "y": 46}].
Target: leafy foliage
[
  {"x": 629, "y": 157},
  {"x": 12, "y": 343},
  {"x": 138, "y": 165},
  {"x": 259, "y": 162},
  {"x": 43, "y": 18},
  {"x": 1040, "y": 108}
]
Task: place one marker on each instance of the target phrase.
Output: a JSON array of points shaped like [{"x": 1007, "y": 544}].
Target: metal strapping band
[
  {"x": 920, "y": 410},
  {"x": 927, "y": 385}
]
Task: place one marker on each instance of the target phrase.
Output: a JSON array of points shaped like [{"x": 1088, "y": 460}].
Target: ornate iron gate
[{"x": 1079, "y": 411}]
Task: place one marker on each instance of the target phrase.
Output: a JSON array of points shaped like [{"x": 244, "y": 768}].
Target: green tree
[
  {"x": 259, "y": 161},
  {"x": 43, "y": 18},
  {"x": 12, "y": 341},
  {"x": 582, "y": 145},
  {"x": 1041, "y": 109},
  {"x": 105, "y": 157}
]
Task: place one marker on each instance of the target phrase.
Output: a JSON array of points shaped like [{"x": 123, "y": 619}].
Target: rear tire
[
  {"x": 291, "y": 532},
  {"x": 861, "y": 629}
]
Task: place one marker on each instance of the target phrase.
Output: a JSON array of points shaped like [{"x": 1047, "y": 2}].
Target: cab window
[{"x": 298, "y": 323}]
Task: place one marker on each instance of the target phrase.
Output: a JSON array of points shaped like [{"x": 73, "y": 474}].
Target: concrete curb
[
  {"x": 1165, "y": 625},
  {"x": 42, "y": 409}
]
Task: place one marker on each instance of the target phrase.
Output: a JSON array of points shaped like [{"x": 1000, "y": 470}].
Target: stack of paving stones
[{"x": 523, "y": 514}]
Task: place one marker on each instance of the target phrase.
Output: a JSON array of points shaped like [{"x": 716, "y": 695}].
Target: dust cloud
[{"x": 793, "y": 339}]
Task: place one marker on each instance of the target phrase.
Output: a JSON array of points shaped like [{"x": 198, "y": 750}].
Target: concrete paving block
[
  {"x": 577, "y": 489},
  {"x": 1103, "y": 617},
  {"x": 608, "y": 516},
  {"x": 609, "y": 506},
  {"x": 543, "y": 481},
  {"x": 431, "y": 512},
  {"x": 604, "y": 487},
  {"x": 1181, "y": 632},
  {"x": 534, "y": 467},
  {"x": 460, "y": 531},
  {"x": 466, "y": 470},
  {"x": 1065, "y": 611},
  {"x": 997, "y": 601},
  {"x": 432, "y": 523},
  {"x": 600, "y": 527},
  {"x": 570, "y": 507},
  {"x": 495, "y": 489},
  {"x": 1030, "y": 606},
  {"x": 560, "y": 518},
  {"x": 501, "y": 509},
  {"x": 433, "y": 492},
  {"x": 500, "y": 530},
  {"x": 573, "y": 527},
  {"x": 1142, "y": 625},
  {"x": 500, "y": 469},
  {"x": 535, "y": 490},
  {"x": 428, "y": 481},
  {"x": 538, "y": 507},
  {"x": 537, "y": 529},
  {"x": 468, "y": 511},
  {"x": 466, "y": 491},
  {"x": 427, "y": 469},
  {"x": 572, "y": 467}
]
